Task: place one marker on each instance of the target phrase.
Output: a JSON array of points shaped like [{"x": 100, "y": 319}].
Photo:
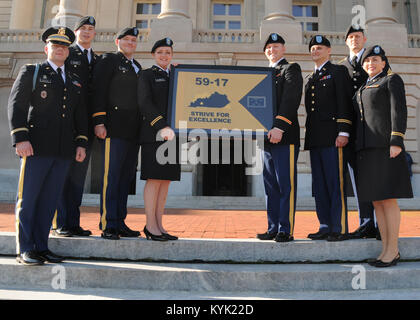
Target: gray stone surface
[
  {"x": 218, "y": 250},
  {"x": 32, "y": 293},
  {"x": 210, "y": 277}
]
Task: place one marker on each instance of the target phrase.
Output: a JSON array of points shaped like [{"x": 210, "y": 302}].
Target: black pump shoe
[
  {"x": 382, "y": 264},
  {"x": 151, "y": 236},
  {"x": 169, "y": 236}
]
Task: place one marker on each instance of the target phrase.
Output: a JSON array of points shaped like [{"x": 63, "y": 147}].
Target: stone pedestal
[
  {"x": 69, "y": 12},
  {"x": 21, "y": 16},
  {"x": 279, "y": 19},
  {"x": 382, "y": 27},
  {"x": 173, "y": 22}
]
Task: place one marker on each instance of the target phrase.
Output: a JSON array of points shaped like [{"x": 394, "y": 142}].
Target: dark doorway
[{"x": 228, "y": 180}]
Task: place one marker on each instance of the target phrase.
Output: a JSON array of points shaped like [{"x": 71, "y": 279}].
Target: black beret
[
  {"x": 59, "y": 35},
  {"x": 374, "y": 51},
  {"x": 353, "y": 29},
  {"x": 319, "y": 40},
  {"x": 85, "y": 20},
  {"x": 128, "y": 32},
  {"x": 274, "y": 38},
  {"x": 166, "y": 42}
]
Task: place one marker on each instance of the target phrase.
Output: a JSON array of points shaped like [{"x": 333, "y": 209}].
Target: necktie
[
  {"x": 354, "y": 62},
  {"x": 60, "y": 73},
  {"x": 86, "y": 53}
]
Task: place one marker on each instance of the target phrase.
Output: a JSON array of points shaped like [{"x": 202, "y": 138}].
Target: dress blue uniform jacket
[{"x": 52, "y": 117}]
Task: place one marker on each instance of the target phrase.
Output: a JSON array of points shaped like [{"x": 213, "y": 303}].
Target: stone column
[
  {"x": 381, "y": 26},
  {"x": 279, "y": 19},
  {"x": 21, "y": 16},
  {"x": 69, "y": 12},
  {"x": 173, "y": 22}
]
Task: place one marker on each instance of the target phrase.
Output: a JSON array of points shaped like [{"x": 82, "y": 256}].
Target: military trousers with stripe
[
  {"x": 119, "y": 168},
  {"x": 328, "y": 166},
  {"x": 41, "y": 183},
  {"x": 280, "y": 183},
  {"x": 68, "y": 208}
]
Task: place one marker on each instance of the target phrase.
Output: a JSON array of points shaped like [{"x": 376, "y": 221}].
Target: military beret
[
  {"x": 128, "y": 32},
  {"x": 319, "y": 40},
  {"x": 374, "y": 51},
  {"x": 166, "y": 42},
  {"x": 274, "y": 38},
  {"x": 89, "y": 20},
  {"x": 59, "y": 35},
  {"x": 353, "y": 29}
]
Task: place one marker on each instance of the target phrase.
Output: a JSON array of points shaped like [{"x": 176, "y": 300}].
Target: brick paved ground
[{"x": 216, "y": 223}]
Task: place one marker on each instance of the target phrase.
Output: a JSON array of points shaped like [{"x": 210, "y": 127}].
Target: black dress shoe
[
  {"x": 50, "y": 257},
  {"x": 154, "y": 237},
  {"x": 30, "y": 258},
  {"x": 372, "y": 262},
  {"x": 335, "y": 236},
  {"x": 80, "y": 232},
  {"x": 267, "y": 236},
  {"x": 382, "y": 264},
  {"x": 283, "y": 237},
  {"x": 363, "y": 232},
  {"x": 110, "y": 234},
  {"x": 128, "y": 233},
  {"x": 169, "y": 236},
  {"x": 62, "y": 232},
  {"x": 320, "y": 235}
]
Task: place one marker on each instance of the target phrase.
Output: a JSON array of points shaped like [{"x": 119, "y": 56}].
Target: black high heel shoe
[
  {"x": 169, "y": 236},
  {"x": 151, "y": 236},
  {"x": 381, "y": 264}
]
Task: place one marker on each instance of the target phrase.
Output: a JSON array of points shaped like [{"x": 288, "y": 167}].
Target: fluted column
[
  {"x": 382, "y": 27},
  {"x": 69, "y": 12},
  {"x": 21, "y": 16},
  {"x": 173, "y": 22},
  {"x": 279, "y": 19}
]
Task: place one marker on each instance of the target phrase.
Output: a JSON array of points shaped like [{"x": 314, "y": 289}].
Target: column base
[
  {"x": 388, "y": 35},
  {"x": 178, "y": 29},
  {"x": 290, "y": 30}
]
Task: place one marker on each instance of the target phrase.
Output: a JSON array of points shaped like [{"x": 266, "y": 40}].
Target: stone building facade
[{"x": 216, "y": 32}]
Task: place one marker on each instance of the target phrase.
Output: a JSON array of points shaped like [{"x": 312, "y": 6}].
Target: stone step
[
  {"x": 218, "y": 250},
  {"x": 37, "y": 293},
  {"x": 219, "y": 203},
  {"x": 209, "y": 277}
]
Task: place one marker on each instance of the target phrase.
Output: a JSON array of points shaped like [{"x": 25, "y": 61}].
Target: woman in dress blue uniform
[
  {"x": 383, "y": 174},
  {"x": 153, "y": 91}
]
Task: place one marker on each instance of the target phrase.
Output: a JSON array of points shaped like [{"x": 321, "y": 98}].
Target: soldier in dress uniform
[
  {"x": 328, "y": 126},
  {"x": 153, "y": 96},
  {"x": 383, "y": 175},
  {"x": 48, "y": 124},
  {"x": 281, "y": 150},
  {"x": 81, "y": 61},
  {"x": 116, "y": 119},
  {"x": 355, "y": 40}
]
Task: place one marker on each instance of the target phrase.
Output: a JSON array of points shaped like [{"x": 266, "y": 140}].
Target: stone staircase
[{"x": 204, "y": 269}]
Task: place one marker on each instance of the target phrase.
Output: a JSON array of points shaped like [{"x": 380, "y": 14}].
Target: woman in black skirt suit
[
  {"x": 382, "y": 170},
  {"x": 155, "y": 135}
]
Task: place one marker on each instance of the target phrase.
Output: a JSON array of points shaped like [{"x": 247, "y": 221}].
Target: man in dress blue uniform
[
  {"x": 81, "y": 61},
  {"x": 356, "y": 40},
  {"x": 116, "y": 117},
  {"x": 48, "y": 124},
  {"x": 328, "y": 125},
  {"x": 282, "y": 148}
]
